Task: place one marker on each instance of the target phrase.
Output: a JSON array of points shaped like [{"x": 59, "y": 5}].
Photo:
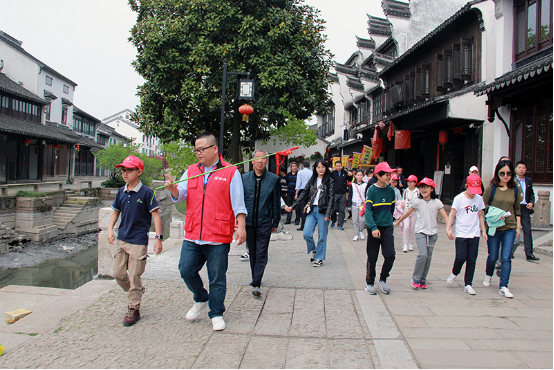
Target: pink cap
[
  {"x": 383, "y": 166},
  {"x": 394, "y": 177},
  {"x": 412, "y": 178},
  {"x": 427, "y": 181},
  {"x": 474, "y": 184},
  {"x": 131, "y": 162}
]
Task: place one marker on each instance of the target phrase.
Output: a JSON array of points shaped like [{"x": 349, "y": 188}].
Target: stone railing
[{"x": 36, "y": 186}]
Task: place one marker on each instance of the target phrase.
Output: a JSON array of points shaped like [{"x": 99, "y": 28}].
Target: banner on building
[
  {"x": 345, "y": 161},
  {"x": 365, "y": 157},
  {"x": 335, "y": 160},
  {"x": 377, "y": 146},
  {"x": 356, "y": 160}
]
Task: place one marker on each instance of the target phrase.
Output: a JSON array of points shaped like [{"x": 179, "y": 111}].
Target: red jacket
[{"x": 210, "y": 215}]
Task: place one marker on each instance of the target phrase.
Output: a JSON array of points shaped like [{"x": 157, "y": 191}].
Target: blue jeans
[
  {"x": 506, "y": 238},
  {"x": 312, "y": 219},
  {"x": 193, "y": 258}
]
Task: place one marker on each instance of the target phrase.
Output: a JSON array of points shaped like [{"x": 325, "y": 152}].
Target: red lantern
[
  {"x": 245, "y": 110},
  {"x": 77, "y": 147},
  {"x": 57, "y": 146},
  {"x": 27, "y": 142},
  {"x": 443, "y": 137},
  {"x": 328, "y": 150}
]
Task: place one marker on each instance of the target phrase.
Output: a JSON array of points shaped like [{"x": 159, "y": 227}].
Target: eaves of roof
[
  {"x": 18, "y": 126},
  {"x": 521, "y": 74},
  {"x": 385, "y": 44},
  {"x": 83, "y": 113},
  {"x": 466, "y": 8},
  {"x": 396, "y": 8},
  {"x": 9, "y": 86},
  {"x": 115, "y": 115},
  {"x": 349, "y": 70},
  {"x": 365, "y": 43},
  {"x": 82, "y": 140}
]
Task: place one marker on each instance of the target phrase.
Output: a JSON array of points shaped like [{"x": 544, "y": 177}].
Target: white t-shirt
[
  {"x": 409, "y": 196},
  {"x": 426, "y": 211},
  {"x": 467, "y": 215},
  {"x": 316, "y": 197}
]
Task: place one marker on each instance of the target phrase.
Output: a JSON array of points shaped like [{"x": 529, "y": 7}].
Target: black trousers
[
  {"x": 466, "y": 252},
  {"x": 258, "y": 245},
  {"x": 386, "y": 243},
  {"x": 526, "y": 231}
]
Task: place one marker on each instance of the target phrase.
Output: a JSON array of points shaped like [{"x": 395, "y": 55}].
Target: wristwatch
[{"x": 161, "y": 237}]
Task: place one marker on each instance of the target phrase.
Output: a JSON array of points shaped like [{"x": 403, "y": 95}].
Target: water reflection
[{"x": 68, "y": 273}]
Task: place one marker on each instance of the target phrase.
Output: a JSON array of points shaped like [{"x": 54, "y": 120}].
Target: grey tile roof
[
  {"x": 82, "y": 140},
  {"x": 396, "y": 8},
  {"x": 17, "y": 46},
  {"x": 521, "y": 74},
  {"x": 9, "y": 86},
  {"x": 365, "y": 43},
  {"x": 18, "y": 126},
  {"x": 378, "y": 26},
  {"x": 81, "y": 112}
]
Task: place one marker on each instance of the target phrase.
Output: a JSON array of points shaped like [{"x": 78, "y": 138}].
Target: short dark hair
[
  {"x": 521, "y": 162},
  {"x": 294, "y": 162},
  {"x": 208, "y": 135},
  {"x": 381, "y": 173},
  {"x": 306, "y": 163}
]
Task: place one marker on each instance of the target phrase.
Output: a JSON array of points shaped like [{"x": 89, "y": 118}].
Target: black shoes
[
  {"x": 300, "y": 229},
  {"x": 533, "y": 258},
  {"x": 287, "y": 223},
  {"x": 297, "y": 223}
]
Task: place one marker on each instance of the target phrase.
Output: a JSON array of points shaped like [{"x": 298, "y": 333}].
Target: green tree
[
  {"x": 181, "y": 45},
  {"x": 114, "y": 154},
  {"x": 179, "y": 156},
  {"x": 294, "y": 133}
]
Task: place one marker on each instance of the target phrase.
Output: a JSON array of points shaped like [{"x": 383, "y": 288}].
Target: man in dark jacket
[
  {"x": 262, "y": 199},
  {"x": 340, "y": 183},
  {"x": 526, "y": 185}
]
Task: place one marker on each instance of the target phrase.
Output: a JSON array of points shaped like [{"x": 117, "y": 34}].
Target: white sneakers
[
  {"x": 218, "y": 323},
  {"x": 405, "y": 248},
  {"x": 451, "y": 278},
  {"x": 196, "y": 310},
  {"x": 355, "y": 238},
  {"x": 362, "y": 235},
  {"x": 487, "y": 281},
  {"x": 469, "y": 290},
  {"x": 410, "y": 247},
  {"x": 505, "y": 292}
]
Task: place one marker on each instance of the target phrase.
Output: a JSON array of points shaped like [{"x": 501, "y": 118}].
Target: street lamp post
[{"x": 245, "y": 92}]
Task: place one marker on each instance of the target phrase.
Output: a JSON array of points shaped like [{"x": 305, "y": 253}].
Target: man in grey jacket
[{"x": 262, "y": 199}]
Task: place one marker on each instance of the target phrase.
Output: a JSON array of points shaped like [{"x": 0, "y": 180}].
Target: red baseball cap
[
  {"x": 474, "y": 184},
  {"x": 131, "y": 162},
  {"x": 383, "y": 166},
  {"x": 427, "y": 181},
  {"x": 394, "y": 177},
  {"x": 412, "y": 178}
]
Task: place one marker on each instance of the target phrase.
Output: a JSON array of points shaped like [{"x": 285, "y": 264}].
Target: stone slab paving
[{"x": 306, "y": 317}]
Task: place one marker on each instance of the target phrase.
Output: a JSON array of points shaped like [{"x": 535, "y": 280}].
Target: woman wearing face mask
[
  {"x": 502, "y": 195},
  {"x": 318, "y": 209}
]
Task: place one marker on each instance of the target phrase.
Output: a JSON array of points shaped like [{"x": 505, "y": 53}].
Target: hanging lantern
[
  {"x": 245, "y": 110},
  {"x": 57, "y": 146},
  {"x": 328, "y": 150},
  {"x": 77, "y": 147},
  {"x": 443, "y": 137},
  {"x": 27, "y": 142}
]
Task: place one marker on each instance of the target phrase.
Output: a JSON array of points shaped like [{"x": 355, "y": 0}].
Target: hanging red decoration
[
  {"x": 77, "y": 147},
  {"x": 27, "y": 142},
  {"x": 245, "y": 110},
  {"x": 57, "y": 146},
  {"x": 443, "y": 137},
  {"x": 390, "y": 134},
  {"x": 328, "y": 150},
  {"x": 402, "y": 139},
  {"x": 376, "y": 147}
]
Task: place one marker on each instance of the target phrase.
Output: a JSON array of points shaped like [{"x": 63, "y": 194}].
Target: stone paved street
[{"x": 306, "y": 317}]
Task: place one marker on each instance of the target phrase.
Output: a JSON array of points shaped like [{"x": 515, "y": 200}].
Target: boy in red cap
[
  {"x": 138, "y": 206},
  {"x": 468, "y": 209},
  {"x": 380, "y": 202}
]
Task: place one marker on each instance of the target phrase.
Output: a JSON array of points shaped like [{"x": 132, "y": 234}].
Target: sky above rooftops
[{"x": 86, "y": 41}]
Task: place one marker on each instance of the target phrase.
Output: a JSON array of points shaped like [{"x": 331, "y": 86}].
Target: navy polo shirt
[{"x": 136, "y": 213}]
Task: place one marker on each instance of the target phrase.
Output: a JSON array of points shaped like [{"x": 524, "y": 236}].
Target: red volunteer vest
[{"x": 210, "y": 215}]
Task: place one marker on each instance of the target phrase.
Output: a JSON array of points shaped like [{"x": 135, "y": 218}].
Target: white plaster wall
[
  {"x": 495, "y": 144},
  {"x": 468, "y": 106},
  {"x": 19, "y": 67},
  {"x": 339, "y": 109},
  {"x": 504, "y": 39},
  {"x": 56, "y": 89},
  {"x": 488, "y": 41}
]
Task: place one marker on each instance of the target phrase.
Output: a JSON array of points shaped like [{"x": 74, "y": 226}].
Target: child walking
[
  {"x": 398, "y": 211},
  {"x": 408, "y": 198},
  {"x": 468, "y": 209},
  {"x": 378, "y": 217},
  {"x": 356, "y": 200},
  {"x": 138, "y": 206},
  {"x": 426, "y": 207}
]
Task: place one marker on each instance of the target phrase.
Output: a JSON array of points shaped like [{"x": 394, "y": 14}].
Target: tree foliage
[
  {"x": 114, "y": 154},
  {"x": 294, "y": 133},
  {"x": 179, "y": 156},
  {"x": 181, "y": 46}
]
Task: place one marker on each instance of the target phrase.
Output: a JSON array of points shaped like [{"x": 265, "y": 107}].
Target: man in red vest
[{"x": 215, "y": 203}]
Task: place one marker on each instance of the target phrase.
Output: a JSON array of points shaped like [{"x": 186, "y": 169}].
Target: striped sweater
[{"x": 380, "y": 204}]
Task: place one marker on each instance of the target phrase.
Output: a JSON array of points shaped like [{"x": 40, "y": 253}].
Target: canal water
[{"x": 68, "y": 273}]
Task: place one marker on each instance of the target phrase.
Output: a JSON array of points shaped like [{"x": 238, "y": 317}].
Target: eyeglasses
[
  {"x": 128, "y": 170},
  {"x": 503, "y": 174},
  {"x": 201, "y": 150}
]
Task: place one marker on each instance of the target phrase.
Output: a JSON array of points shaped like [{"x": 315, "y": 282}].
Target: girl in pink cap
[
  {"x": 426, "y": 207},
  {"x": 408, "y": 198}
]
